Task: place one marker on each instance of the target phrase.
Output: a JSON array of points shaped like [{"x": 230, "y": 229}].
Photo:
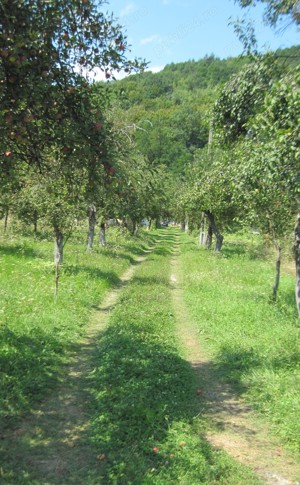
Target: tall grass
[{"x": 254, "y": 341}]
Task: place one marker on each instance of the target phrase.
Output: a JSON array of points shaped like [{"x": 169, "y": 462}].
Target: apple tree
[
  {"x": 269, "y": 164},
  {"x": 47, "y": 119}
]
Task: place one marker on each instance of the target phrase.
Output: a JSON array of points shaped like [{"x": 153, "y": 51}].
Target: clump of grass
[
  {"x": 254, "y": 342},
  {"x": 145, "y": 424},
  {"x": 36, "y": 330}
]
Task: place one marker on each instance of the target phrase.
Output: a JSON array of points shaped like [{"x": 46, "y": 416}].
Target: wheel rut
[
  {"x": 50, "y": 446},
  {"x": 235, "y": 427}
]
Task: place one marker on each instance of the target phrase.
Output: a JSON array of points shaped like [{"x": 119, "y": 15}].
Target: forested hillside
[{"x": 171, "y": 108}]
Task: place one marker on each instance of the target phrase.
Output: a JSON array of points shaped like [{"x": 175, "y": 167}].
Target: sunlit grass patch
[{"x": 254, "y": 342}]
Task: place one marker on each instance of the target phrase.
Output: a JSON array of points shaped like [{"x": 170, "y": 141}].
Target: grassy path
[
  {"x": 235, "y": 428},
  {"x": 139, "y": 399},
  {"x": 145, "y": 422},
  {"x": 51, "y": 446}
]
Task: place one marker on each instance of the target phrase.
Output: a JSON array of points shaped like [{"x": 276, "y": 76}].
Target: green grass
[
  {"x": 36, "y": 331},
  {"x": 254, "y": 342},
  {"x": 145, "y": 425}
]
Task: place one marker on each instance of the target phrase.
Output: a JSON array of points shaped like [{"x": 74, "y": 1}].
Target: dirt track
[{"x": 236, "y": 428}]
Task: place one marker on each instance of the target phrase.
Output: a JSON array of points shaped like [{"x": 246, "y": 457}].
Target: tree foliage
[{"x": 276, "y": 10}]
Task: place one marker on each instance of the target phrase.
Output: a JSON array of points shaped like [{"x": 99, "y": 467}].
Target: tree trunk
[
  {"x": 6, "y": 219},
  {"x": 278, "y": 264},
  {"x": 35, "y": 224},
  {"x": 91, "y": 229},
  {"x": 297, "y": 261},
  {"x": 149, "y": 224},
  {"x": 135, "y": 228},
  {"x": 58, "y": 254},
  {"x": 208, "y": 240},
  {"x": 202, "y": 234},
  {"x": 219, "y": 237},
  {"x": 102, "y": 235},
  {"x": 186, "y": 225},
  {"x": 182, "y": 226},
  {"x": 124, "y": 225}
]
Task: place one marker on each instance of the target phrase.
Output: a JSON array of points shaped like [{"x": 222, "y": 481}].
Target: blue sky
[{"x": 165, "y": 31}]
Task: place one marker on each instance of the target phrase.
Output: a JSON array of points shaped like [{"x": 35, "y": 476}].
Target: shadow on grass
[
  {"x": 232, "y": 249},
  {"x": 28, "y": 365},
  {"x": 141, "y": 388},
  {"x": 93, "y": 273},
  {"x": 49, "y": 446},
  {"x": 114, "y": 254},
  {"x": 136, "y": 392},
  {"x": 233, "y": 364},
  {"x": 160, "y": 251},
  {"x": 137, "y": 251},
  {"x": 286, "y": 305},
  {"x": 20, "y": 251},
  {"x": 152, "y": 280}
]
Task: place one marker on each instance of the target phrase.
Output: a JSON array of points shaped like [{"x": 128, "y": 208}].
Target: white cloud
[
  {"x": 155, "y": 69},
  {"x": 98, "y": 75},
  {"x": 149, "y": 40}
]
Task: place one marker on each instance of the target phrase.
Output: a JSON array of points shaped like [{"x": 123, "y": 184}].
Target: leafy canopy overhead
[{"x": 276, "y": 10}]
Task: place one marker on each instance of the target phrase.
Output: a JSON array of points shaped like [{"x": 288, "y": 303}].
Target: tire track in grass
[
  {"x": 235, "y": 428},
  {"x": 50, "y": 446}
]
